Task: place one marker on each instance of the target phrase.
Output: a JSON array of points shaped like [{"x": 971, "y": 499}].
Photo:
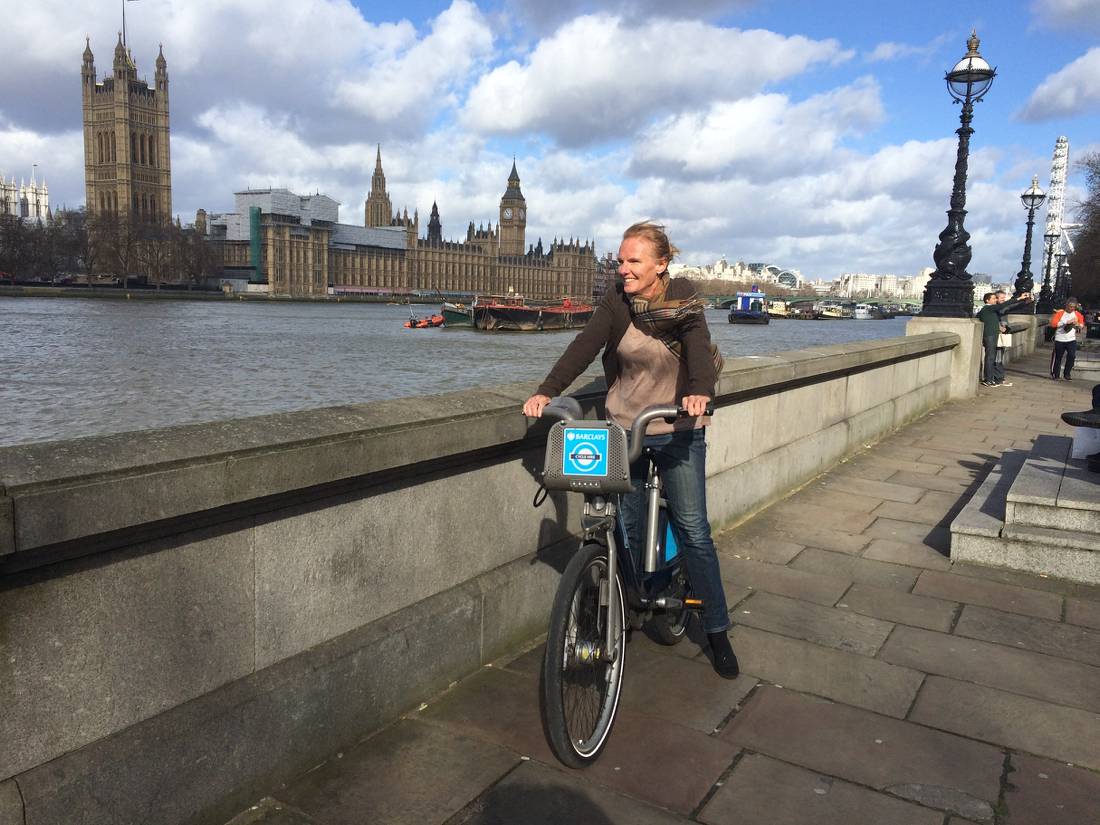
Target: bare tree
[{"x": 1085, "y": 262}]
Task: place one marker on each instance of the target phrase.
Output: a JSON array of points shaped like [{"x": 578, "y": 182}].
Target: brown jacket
[{"x": 605, "y": 329}]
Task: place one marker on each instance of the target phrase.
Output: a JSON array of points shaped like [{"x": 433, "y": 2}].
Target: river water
[{"x": 80, "y": 367}]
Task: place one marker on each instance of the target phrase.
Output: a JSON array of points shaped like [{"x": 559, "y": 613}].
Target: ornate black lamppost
[
  {"x": 950, "y": 292},
  {"x": 1061, "y": 291},
  {"x": 1032, "y": 199},
  {"x": 1046, "y": 294}
]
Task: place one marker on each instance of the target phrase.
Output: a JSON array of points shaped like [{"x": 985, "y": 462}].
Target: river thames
[{"x": 78, "y": 367}]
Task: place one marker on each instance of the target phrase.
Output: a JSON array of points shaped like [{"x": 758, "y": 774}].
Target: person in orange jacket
[{"x": 1066, "y": 323}]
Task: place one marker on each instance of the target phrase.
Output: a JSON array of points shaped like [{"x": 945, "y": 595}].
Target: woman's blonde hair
[{"x": 655, "y": 234}]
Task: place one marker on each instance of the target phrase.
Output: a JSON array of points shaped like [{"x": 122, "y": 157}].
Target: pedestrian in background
[
  {"x": 991, "y": 315},
  {"x": 1067, "y": 323}
]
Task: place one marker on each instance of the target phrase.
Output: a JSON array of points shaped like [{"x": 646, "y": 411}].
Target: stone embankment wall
[{"x": 190, "y": 616}]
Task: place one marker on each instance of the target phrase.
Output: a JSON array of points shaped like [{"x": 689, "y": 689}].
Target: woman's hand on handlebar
[
  {"x": 695, "y": 405},
  {"x": 534, "y": 405}
]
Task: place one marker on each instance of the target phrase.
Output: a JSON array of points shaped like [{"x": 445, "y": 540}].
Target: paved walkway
[{"x": 887, "y": 684}]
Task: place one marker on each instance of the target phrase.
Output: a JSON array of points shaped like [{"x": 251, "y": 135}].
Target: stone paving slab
[
  {"x": 1053, "y": 680},
  {"x": 763, "y": 791},
  {"x": 1020, "y": 722},
  {"x": 795, "y": 511},
  {"x": 684, "y": 691},
  {"x": 932, "y": 513},
  {"x": 782, "y": 581},
  {"x": 912, "y": 555},
  {"x": 409, "y": 774},
  {"x": 863, "y": 468},
  {"x": 836, "y": 674},
  {"x": 747, "y": 545},
  {"x": 537, "y": 795},
  {"x": 1051, "y": 793},
  {"x": 838, "y": 500},
  {"x": 663, "y": 763},
  {"x": 881, "y": 490},
  {"x": 813, "y": 535},
  {"x": 1031, "y": 581},
  {"x": 821, "y": 625},
  {"x": 857, "y": 569},
  {"x": 938, "y": 538},
  {"x": 267, "y": 811},
  {"x": 1040, "y": 635},
  {"x": 870, "y": 749},
  {"x": 973, "y": 590},
  {"x": 503, "y": 708},
  {"x": 943, "y": 484},
  {"x": 1082, "y": 612},
  {"x": 901, "y": 608}
]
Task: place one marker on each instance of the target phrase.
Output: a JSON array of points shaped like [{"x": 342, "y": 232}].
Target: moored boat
[
  {"x": 424, "y": 323},
  {"x": 749, "y": 308},
  {"x": 514, "y": 314},
  {"x": 457, "y": 315}
]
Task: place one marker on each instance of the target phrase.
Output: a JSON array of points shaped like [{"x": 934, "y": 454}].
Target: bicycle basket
[{"x": 586, "y": 457}]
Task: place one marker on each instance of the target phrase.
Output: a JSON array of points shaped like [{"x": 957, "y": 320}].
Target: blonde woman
[{"x": 657, "y": 350}]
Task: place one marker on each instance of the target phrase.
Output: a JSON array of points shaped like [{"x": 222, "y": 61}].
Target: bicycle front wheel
[{"x": 581, "y": 675}]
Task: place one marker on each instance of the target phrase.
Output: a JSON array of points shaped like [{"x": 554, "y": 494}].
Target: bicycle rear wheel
[{"x": 581, "y": 678}]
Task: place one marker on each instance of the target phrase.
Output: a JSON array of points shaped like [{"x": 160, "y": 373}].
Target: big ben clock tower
[{"x": 513, "y": 216}]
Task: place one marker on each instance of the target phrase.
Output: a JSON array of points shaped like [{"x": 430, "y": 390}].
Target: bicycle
[{"x": 602, "y": 590}]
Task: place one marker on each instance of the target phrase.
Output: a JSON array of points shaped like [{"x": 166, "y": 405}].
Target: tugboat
[{"x": 749, "y": 307}]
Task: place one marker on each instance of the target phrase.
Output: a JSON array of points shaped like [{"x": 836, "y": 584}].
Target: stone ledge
[{"x": 68, "y": 491}]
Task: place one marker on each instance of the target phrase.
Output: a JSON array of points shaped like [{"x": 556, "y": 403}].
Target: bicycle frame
[{"x": 603, "y": 517}]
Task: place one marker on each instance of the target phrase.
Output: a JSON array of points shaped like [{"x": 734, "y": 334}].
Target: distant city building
[
  {"x": 864, "y": 285},
  {"x": 127, "y": 162},
  {"x": 297, "y": 244},
  {"x": 30, "y": 201},
  {"x": 740, "y": 271}
]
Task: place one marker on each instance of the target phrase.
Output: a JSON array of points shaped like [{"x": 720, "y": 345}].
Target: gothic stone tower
[
  {"x": 127, "y": 162},
  {"x": 513, "y": 217},
  {"x": 379, "y": 210},
  {"x": 435, "y": 228}
]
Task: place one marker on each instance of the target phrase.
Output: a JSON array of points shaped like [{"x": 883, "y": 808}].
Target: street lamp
[
  {"x": 1046, "y": 294},
  {"x": 950, "y": 292},
  {"x": 1061, "y": 292},
  {"x": 1032, "y": 199}
]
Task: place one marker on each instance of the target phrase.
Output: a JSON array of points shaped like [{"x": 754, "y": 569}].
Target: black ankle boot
[{"x": 725, "y": 662}]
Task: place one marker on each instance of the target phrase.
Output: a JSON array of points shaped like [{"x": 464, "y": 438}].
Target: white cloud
[
  {"x": 413, "y": 82},
  {"x": 544, "y": 16},
  {"x": 598, "y": 78},
  {"x": 758, "y": 137},
  {"x": 889, "y": 50},
  {"x": 1068, "y": 14},
  {"x": 1073, "y": 90}
]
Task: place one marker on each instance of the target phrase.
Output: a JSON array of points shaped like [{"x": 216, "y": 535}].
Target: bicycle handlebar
[{"x": 567, "y": 408}]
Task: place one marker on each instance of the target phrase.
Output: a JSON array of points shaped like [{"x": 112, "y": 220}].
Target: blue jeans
[{"x": 681, "y": 459}]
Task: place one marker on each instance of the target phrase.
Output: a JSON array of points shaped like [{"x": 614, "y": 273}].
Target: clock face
[
  {"x": 508, "y": 213},
  {"x": 523, "y": 214}
]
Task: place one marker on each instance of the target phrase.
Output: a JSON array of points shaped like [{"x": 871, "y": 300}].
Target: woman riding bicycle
[{"x": 657, "y": 350}]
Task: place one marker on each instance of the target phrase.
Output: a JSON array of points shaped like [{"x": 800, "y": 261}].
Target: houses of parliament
[{"x": 296, "y": 243}]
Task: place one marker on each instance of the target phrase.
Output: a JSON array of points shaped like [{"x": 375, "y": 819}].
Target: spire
[
  {"x": 88, "y": 50},
  {"x": 378, "y": 161},
  {"x": 514, "y": 177},
  {"x": 162, "y": 64},
  {"x": 120, "y": 53}
]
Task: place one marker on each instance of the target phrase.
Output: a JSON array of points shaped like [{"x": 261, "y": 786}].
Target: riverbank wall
[
  {"x": 191, "y": 616},
  {"x": 117, "y": 293}
]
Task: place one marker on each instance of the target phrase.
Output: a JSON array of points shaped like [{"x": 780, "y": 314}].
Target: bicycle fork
[{"x": 603, "y": 512}]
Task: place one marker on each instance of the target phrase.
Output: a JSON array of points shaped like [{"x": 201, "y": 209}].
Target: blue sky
[{"x": 816, "y": 135}]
